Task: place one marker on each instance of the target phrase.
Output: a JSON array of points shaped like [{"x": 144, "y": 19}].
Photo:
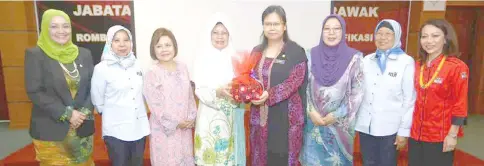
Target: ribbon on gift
[{"x": 244, "y": 85}]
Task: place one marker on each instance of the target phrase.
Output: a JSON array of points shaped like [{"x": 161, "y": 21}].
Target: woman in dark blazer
[
  {"x": 57, "y": 81},
  {"x": 277, "y": 118}
]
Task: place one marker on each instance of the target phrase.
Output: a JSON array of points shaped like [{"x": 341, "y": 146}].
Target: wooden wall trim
[
  {"x": 415, "y": 14},
  {"x": 465, "y": 3},
  {"x": 3, "y": 97},
  {"x": 477, "y": 71},
  {"x": 417, "y": 18},
  {"x": 20, "y": 24}
]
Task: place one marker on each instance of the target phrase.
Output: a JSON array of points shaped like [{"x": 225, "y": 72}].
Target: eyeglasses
[
  {"x": 334, "y": 30},
  {"x": 219, "y": 33},
  {"x": 385, "y": 35},
  {"x": 272, "y": 24}
]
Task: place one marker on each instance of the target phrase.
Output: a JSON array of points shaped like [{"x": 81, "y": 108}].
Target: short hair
[
  {"x": 156, "y": 37},
  {"x": 451, "y": 46}
]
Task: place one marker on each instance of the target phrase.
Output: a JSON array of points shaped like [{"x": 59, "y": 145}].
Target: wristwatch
[{"x": 452, "y": 135}]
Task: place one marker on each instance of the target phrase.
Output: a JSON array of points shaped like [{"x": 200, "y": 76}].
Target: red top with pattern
[{"x": 441, "y": 104}]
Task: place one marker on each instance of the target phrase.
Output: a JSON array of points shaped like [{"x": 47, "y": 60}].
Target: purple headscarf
[{"x": 330, "y": 63}]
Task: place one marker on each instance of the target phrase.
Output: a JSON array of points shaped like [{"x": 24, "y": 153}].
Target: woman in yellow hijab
[{"x": 57, "y": 80}]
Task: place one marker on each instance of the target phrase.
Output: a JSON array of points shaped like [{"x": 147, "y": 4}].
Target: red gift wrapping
[{"x": 244, "y": 87}]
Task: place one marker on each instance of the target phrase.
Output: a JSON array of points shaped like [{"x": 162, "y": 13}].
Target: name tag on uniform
[
  {"x": 463, "y": 75},
  {"x": 141, "y": 116},
  {"x": 279, "y": 61},
  {"x": 438, "y": 80},
  {"x": 392, "y": 74}
]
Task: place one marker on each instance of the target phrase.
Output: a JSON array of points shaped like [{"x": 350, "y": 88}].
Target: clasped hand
[
  {"x": 318, "y": 120},
  {"x": 77, "y": 118},
  {"x": 187, "y": 124}
]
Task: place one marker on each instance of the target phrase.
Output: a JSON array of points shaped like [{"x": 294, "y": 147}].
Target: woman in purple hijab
[{"x": 334, "y": 94}]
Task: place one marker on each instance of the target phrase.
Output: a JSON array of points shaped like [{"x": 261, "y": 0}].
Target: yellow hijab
[{"x": 66, "y": 53}]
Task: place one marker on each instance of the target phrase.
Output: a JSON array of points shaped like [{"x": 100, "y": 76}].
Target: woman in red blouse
[{"x": 441, "y": 107}]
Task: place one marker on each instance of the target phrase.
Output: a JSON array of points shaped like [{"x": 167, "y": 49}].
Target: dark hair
[
  {"x": 156, "y": 37},
  {"x": 218, "y": 23},
  {"x": 385, "y": 24},
  {"x": 451, "y": 46},
  {"x": 282, "y": 14},
  {"x": 122, "y": 30}
]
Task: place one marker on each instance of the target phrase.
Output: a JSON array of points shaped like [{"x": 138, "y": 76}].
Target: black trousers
[
  {"x": 428, "y": 154},
  {"x": 378, "y": 151},
  {"x": 125, "y": 153}
]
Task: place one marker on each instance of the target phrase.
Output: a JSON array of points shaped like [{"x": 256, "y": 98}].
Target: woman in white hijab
[
  {"x": 385, "y": 115},
  {"x": 116, "y": 92},
  {"x": 219, "y": 138}
]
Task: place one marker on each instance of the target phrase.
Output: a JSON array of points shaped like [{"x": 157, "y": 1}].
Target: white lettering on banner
[
  {"x": 356, "y": 11},
  {"x": 102, "y": 10},
  {"x": 359, "y": 37},
  {"x": 90, "y": 37}
]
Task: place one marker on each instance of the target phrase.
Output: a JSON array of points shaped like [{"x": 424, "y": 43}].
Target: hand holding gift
[
  {"x": 262, "y": 98},
  {"x": 224, "y": 91},
  {"x": 245, "y": 87}
]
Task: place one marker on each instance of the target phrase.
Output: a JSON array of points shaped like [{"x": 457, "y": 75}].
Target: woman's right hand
[
  {"x": 77, "y": 118},
  {"x": 191, "y": 124},
  {"x": 224, "y": 91},
  {"x": 317, "y": 119},
  {"x": 186, "y": 124}
]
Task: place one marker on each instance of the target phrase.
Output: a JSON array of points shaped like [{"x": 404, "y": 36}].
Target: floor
[
  {"x": 12, "y": 140},
  {"x": 472, "y": 142}
]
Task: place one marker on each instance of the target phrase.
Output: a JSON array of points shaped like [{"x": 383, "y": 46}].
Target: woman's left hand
[
  {"x": 262, "y": 98},
  {"x": 400, "y": 142},
  {"x": 450, "y": 142},
  {"x": 77, "y": 118}
]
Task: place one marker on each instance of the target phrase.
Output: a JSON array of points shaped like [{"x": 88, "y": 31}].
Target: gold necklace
[{"x": 433, "y": 76}]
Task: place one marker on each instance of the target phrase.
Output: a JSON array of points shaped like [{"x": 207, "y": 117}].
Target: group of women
[{"x": 308, "y": 114}]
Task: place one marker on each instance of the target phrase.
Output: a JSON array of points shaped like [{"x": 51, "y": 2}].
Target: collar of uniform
[
  {"x": 436, "y": 61},
  {"x": 391, "y": 56}
]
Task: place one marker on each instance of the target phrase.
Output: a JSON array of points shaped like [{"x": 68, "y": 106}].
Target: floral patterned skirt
[
  {"x": 214, "y": 138},
  {"x": 72, "y": 151}
]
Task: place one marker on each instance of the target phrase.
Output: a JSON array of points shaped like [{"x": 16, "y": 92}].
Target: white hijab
[
  {"x": 397, "y": 29},
  {"x": 108, "y": 54},
  {"x": 213, "y": 67}
]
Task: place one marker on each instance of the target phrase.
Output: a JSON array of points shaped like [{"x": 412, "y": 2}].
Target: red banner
[
  {"x": 363, "y": 16},
  {"x": 91, "y": 20}
]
